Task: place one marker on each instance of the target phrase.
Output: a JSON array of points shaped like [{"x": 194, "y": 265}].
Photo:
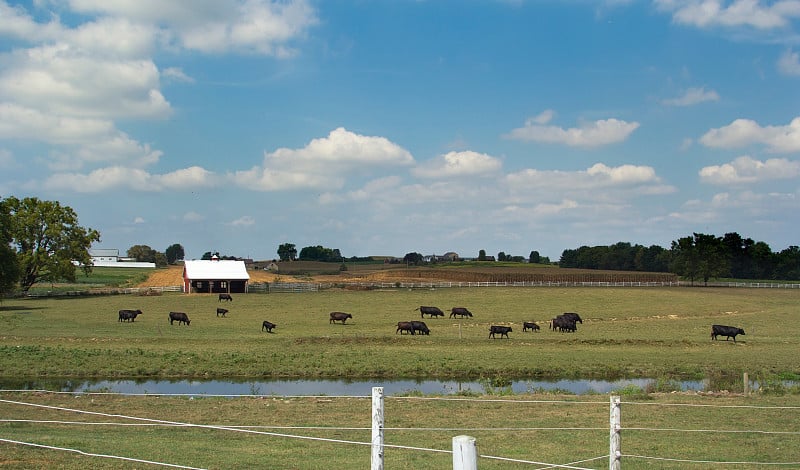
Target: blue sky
[{"x": 389, "y": 127}]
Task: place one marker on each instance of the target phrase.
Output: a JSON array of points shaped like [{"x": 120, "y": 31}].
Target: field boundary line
[
  {"x": 91, "y": 454},
  {"x": 700, "y": 405},
  {"x": 718, "y": 431}
]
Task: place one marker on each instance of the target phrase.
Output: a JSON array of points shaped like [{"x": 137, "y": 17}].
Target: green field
[{"x": 627, "y": 332}]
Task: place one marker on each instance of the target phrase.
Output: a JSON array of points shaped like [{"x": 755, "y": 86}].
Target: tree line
[{"x": 696, "y": 257}]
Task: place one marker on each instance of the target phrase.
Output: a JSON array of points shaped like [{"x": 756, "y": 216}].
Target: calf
[
  {"x": 179, "y": 317},
  {"x": 431, "y": 311},
  {"x": 460, "y": 311},
  {"x": 225, "y": 297},
  {"x": 128, "y": 315},
  {"x": 421, "y": 327},
  {"x": 726, "y": 331},
  {"x": 501, "y": 330},
  {"x": 403, "y": 326},
  {"x": 267, "y": 326},
  {"x": 339, "y": 316},
  {"x": 221, "y": 311},
  {"x": 530, "y": 325}
]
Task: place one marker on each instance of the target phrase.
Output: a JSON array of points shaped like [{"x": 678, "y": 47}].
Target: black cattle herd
[{"x": 564, "y": 323}]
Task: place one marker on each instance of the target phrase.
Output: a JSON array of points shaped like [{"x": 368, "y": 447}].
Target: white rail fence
[{"x": 464, "y": 447}]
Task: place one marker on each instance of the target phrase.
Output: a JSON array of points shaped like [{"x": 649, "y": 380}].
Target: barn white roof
[{"x": 222, "y": 269}]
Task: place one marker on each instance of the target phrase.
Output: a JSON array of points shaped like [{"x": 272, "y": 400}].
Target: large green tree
[
  {"x": 174, "y": 253},
  {"x": 48, "y": 240},
  {"x": 9, "y": 266},
  {"x": 287, "y": 252}
]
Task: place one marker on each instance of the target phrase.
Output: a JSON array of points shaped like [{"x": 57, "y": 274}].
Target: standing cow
[
  {"x": 267, "y": 326},
  {"x": 225, "y": 297},
  {"x": 421, "y": 327},
  {"x": 501, "y": 330},
  {"x": 726, "y": 331},
  {"x": 222, "y": 311},
  {"x": 403, "y": 326},
  {"x": 460, "y": 312},
  {"x": 340, "y": 317},
  {"x": 431, "y": 311},
  {"x": 530, "y": 325},
  {"x": 179, "y": 317},
  {"x": 128, "y": 315}
]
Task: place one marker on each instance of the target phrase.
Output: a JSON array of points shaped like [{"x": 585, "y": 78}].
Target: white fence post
[
  {"x": 615, "y": 446},
  {"x": 465, "y": 453},
  {"x": 377, "y": 428}
]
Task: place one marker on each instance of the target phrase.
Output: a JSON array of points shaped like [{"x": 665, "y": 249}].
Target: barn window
[{"x": 223, "y": 284}]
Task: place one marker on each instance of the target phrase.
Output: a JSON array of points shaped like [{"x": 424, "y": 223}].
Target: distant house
[
  {"x": 450, "y": 256},
  {"x": 215, "y": 276},
  {"x": 109, "y": 257}
]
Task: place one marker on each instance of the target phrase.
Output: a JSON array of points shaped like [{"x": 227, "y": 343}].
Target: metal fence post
[
  {"x": 615, "y": 446},
  {"x": 465, "y": 453},
  {"x": 377, "y": 428}
]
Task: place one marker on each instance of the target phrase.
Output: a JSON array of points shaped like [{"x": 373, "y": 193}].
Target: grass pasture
[
  {"x": 534, "y": 428},
  {"x": 627, "y": 332}
]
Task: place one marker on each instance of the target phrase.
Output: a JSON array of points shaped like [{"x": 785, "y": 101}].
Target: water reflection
[{"x": 334, "y": 387}]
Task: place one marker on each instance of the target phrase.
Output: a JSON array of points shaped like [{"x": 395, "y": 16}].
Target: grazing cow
[
  {"x": 128, "y": 315},
  {"x": 339, "y": 316},
  {"x": 501, "y": 330},
  {"x": 179, "y": 317},
  {"x": 460, "y": 311},
  {"x": 404, "y": 326},
  {"x": 726, "y": 331},
  {"x": 562, "y": 324},
  {"x": 530, "y": 325},
  {"x": 267, "y": 326},
  {"x": 432, "y": 311},
  {"x": 421, "y": 327},
  {"x": 225, "y": 297},
  {"x": 221, "y": 311}
]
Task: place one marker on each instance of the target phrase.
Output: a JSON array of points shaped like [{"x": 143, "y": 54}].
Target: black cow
[
  {"x": 421, "y": 327},
  {"x": 267, "y": 326},
  {"x": 128, "y": 315},
  {"x": 179, "y": 317},
  {"x": 726, "y": 331},
  {"x": 432, "y": 311},
  {"x": 530, "y": 325},
  {"x": 573, "y": 316},
  {"x": 221, "y": 311},
  {"x": 460, "y": 311},
  {"x": 339, "y": 316},
  {"x": 225, "y": 297},
  {"x": 562, "y": 324},
  {"x": 404, "y": 326},
  {"x": 501, "y": 330}
]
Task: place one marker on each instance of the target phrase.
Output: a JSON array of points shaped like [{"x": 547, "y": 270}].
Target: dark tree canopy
[
  {"x": 287, "y": 252},
  {"x": 174, "y": 253},
  {"x": 320, "y": 253},
  {"x": 48, "y": 240},
  {"x": 482, "y": 255},
  {"x": 413, "y": 258},
  {"x": 9, "y": 266}
]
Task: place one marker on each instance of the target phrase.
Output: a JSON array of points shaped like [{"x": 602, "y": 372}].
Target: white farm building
[{"x": 215, "y": 276}]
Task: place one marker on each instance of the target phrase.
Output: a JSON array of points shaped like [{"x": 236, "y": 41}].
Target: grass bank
[{"x": 638, "y": 332}]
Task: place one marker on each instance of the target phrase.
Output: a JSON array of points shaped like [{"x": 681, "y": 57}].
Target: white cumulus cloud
[
  {"x": 591, "y": 134},
  {"x": 725, "y": 13},
  {"x": 789, "y": 63},
  {"x": 323, "y": 162},
  {"x": 467, "y": 163},
  {"x": 746, "y": 169},
  {"x": 743, "y": 132}
]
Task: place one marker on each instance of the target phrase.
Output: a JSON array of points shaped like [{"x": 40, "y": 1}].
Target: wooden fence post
[
  {"x": 377, "y": 428},
  {"x": 615, "y": 453},
  {"x": 465, "y": 453}
]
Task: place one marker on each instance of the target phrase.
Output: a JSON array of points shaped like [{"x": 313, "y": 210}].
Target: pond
[{"x": 337, "y": 387}]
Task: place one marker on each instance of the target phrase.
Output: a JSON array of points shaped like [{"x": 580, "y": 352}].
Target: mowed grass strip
[
  {"x": 634, "y": 332},
  {"x": 537, "y": 428}
]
